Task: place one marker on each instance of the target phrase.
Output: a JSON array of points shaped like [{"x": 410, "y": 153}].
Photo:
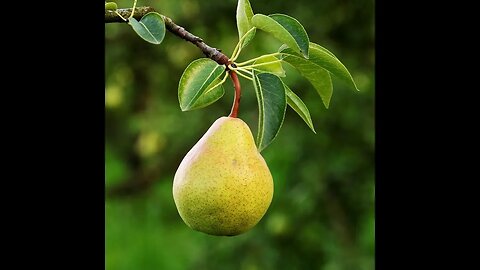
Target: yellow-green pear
[{"x": 223, "y": 185}]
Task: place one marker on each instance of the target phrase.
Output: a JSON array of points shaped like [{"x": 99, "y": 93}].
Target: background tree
[{"x": 322, "y": 213}]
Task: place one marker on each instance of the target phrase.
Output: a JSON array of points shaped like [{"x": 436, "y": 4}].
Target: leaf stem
[
  {"x": 244, "y": 76},
  {"x": 121, "y": 15},
  {"x": 238, "y": 47},
  {"x": 254, "y": 69},
  {"x": 240, "y": 73},
  {"x": 255, "y": 59},
  {"x": 240, "y": 69},
  {"x": 218, "y": 84},
  {"x": 134, "y": 5},
  {"x": 262, "y": 64}
]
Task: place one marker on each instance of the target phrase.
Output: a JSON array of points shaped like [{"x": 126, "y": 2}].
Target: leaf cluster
[{"x": 201, "y": 83}]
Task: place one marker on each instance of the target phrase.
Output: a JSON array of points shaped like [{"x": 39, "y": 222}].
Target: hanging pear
[{"x": 223, "y": 185}]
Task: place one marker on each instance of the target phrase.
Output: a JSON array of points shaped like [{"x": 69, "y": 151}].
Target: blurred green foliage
[{"x": 322, "y": 214}]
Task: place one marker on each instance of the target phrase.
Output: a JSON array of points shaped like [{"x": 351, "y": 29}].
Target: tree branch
[{"x": 212, "y": 53}]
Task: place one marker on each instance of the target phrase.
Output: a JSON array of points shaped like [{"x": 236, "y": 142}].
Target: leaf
[
  {"x": 209, "y": 96},
  {"x": 244, "y": 21},
  {"x": 110, "y": 6},
  {"x": 323, "y": 49},
  {"x": 272, "y": 104},
  {"x": 299, "y": 107},
  {"x": 151, "y": 27},
  {"x": 327, "y": 60},
  {"x": 316, "y": 75},
  {"x": 274, "y": 68},
  {"x": 194, "y": 88},
  {"x": 286, "y": 29}
]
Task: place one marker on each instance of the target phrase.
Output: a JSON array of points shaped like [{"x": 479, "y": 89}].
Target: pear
[{"x": 223, "y": 185}]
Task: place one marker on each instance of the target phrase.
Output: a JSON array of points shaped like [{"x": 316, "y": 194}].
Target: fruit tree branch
[{"x": 212, "y": 53}]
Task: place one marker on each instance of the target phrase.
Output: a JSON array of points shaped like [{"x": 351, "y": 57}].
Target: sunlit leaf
[
  {"x": 209, "y": 96},
  {"x": 195, "y": 87},
  {"x": 274, "y": 65}
]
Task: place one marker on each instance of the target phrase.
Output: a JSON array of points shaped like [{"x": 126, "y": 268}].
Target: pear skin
[{"x": 223, "y": 185}]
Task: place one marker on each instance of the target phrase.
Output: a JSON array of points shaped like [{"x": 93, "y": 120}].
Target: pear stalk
[{"x": 238, "y": 93}]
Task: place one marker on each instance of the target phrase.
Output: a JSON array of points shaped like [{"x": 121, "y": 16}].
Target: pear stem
[{"x": 238, "y": 91}]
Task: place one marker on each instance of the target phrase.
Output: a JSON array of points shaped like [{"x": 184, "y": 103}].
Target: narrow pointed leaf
[
  {"x": 272, "y": 104},
  {"x": 274, "y": 66},
  {"x": 244, "y": 21},
  {"x": 286, "y": 29},
  {"x": 151, "y": 27},
  {"x": 198, "y": 78},
  {"x": 299, "y": 107},
  {"x": 327, "y": 60}
]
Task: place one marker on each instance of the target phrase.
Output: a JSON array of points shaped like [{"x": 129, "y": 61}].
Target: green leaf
[
  {"x": 272, "y": 104},
  {"x": 195, "y": 87},
  {"x": 286, "y": 29},
  {"x": 327, "y": 60},
  {"x": 151, "y": 27},
  {"x": 110, "y": 5},
  {"x": 299, "y": 107},
  {"x": 274, "y": 66},
  {"x": 209, "y": 96},
  {"x": 315, "y": 74},
  {"x": 244, "y": 21},
  {"x": 322, "y": 49}
]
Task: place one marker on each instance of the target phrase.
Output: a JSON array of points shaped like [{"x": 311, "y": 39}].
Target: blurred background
[{"x": 322, "y": 213}]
